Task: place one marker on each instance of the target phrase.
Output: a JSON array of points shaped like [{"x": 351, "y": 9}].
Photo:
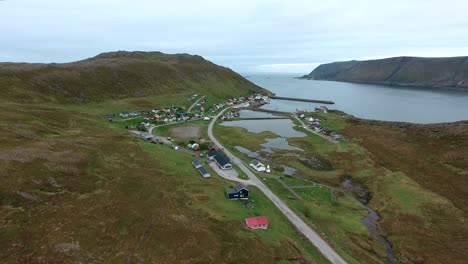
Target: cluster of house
[
  {"x": 230, "y": 115},
  {"x": 321, "y": 109},
  {"x": 165, "y": 115},
  {"x": 259, "y": 100},
  {"x": 240, "y": 192},
  {"x": 314, "y": 123},
  {"x": 253, "y": 100}
]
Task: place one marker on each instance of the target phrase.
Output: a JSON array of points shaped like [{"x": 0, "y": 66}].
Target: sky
[{"x": 248, "y": 36}]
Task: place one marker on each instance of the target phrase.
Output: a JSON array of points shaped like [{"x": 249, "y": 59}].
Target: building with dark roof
[
  {"x": 223, "y": 162},
  {"x": 212, "y": 154},
  {"x": 238, "y": 192},
  {"x": 204, "y": 172},
  {"x": 196, "y": 164}
]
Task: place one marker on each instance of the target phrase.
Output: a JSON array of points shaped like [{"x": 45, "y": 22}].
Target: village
[
  {"x": 314, "y": 122},
  {"x": 205, "y": 156}
]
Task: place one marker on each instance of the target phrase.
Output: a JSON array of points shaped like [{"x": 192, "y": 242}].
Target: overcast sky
[{"x": 245, "y": 35}]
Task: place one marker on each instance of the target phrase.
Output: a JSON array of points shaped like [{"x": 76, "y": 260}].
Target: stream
[
  {"x": 358, "y": 192},
  {"x": 362, "y": 196}
]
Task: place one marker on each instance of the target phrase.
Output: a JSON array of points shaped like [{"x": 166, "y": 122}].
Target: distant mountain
[
  {"x": 402, "y": 71},
  {"x": 118, "y": 75}
]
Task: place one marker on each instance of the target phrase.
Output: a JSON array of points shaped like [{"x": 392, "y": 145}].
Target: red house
[{"x": 259, "y": 222}]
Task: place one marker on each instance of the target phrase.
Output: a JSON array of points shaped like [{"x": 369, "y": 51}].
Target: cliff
[{"x": 402, "y": 71}]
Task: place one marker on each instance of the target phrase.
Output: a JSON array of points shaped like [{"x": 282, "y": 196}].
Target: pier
[
  {"x": 302, "y": 100},
  {"x": 256, "y": 109}
]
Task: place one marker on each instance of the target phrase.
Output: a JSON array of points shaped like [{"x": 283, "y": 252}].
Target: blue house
[{"x": 239, "y": 192}]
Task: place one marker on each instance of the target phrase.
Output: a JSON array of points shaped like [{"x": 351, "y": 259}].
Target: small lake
[
  {"x": 379, "y": 102},
  {"x": 278, "y": 143},
  {"x": 281, "y": 127}
]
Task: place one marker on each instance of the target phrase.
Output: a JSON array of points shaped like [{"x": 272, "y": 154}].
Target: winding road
[
  {"x": 300, "y": 225},
  {"x": 196, "y": 102}
]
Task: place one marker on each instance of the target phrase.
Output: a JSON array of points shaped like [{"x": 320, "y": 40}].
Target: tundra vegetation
[{"x": 414, "y": 176}]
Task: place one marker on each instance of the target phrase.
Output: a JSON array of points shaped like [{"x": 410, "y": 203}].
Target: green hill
[
  {"x": 118, "y": 75},
  {"x": 77, "y": 188},
  {"x": 402, "y": 71}
]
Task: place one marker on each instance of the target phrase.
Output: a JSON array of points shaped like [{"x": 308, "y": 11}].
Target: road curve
[
  {"x": 196, "y": 102},
  {"x": 300, "y": 225}
]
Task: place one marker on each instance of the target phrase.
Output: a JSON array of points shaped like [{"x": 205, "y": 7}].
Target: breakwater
[{"x": 302, "y": 100}]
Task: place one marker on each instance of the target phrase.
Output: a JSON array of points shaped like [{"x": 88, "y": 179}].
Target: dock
[
  {"x": 256, "y": 109},
  {"x": 302, "y": 100}
]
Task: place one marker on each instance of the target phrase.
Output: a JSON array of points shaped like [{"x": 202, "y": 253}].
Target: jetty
[
  {"x": 256, "y": 109},
  {"x": 302, "y": 100}
]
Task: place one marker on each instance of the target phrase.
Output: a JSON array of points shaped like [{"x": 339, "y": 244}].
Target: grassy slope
[
  {"x": 416, "y": 174},
  {"x": 77, "y": 188},
  {"x": 428, "y": 72},
  {"x": 335, "y": 216},
  {"x": 120, "y": 75},
  {"x": 420, "y": 179}
]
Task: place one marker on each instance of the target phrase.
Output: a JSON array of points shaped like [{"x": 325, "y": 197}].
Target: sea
[{"x": 368, "y": 101}]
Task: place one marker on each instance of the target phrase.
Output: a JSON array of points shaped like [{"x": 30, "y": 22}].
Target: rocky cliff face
[{"x": 402, "y": 71}]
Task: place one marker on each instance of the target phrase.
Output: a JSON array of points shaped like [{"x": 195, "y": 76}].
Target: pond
[{"x": 281, "y": 127}]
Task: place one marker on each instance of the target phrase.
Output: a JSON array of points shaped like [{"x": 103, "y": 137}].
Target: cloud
[{"x": 255, "y": 35}]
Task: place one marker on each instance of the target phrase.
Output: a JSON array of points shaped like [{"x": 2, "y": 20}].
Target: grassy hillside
[
  {"x": 75, "y": 188},
  {"x": 416, "y": 177},
  {"x": 406, "y": 71},
  {"x": 119, "y": 75}
]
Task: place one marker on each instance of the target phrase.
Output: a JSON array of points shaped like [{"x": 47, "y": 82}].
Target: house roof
[
  {"x": 255, "y": 221},
  {"x": 196, "y": 163},
  {"x": 255, "y": 162},
  {"x": 212, "y": 153},
  {"x": 203, "y": 171},
  {"x": 236, "y": 189},
  {"x": 221, "y": 160},
  {"x": 240, "y": 186}
]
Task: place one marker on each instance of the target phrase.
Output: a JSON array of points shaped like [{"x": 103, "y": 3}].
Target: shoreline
[{"x": 394, "y": 85}]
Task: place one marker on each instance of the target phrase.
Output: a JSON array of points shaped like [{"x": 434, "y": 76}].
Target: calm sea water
[{"x": 418, "y": 105}]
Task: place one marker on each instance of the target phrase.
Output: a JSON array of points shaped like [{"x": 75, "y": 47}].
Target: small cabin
[
  {"x": 257, "y": 165},
  {"x": 196, "y": 163},
  {"x": 259, "y": 222},
  {"x": 203, "y": 172},
  {"x": 238, "y": 192}
]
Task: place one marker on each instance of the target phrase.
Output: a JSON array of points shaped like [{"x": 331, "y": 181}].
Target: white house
[
  {"x": 257, "y": 165},
  {"x": 206, "y": 118}
]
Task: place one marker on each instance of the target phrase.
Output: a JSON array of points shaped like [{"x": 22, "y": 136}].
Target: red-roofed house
[{"x": 259, "y": 222}]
